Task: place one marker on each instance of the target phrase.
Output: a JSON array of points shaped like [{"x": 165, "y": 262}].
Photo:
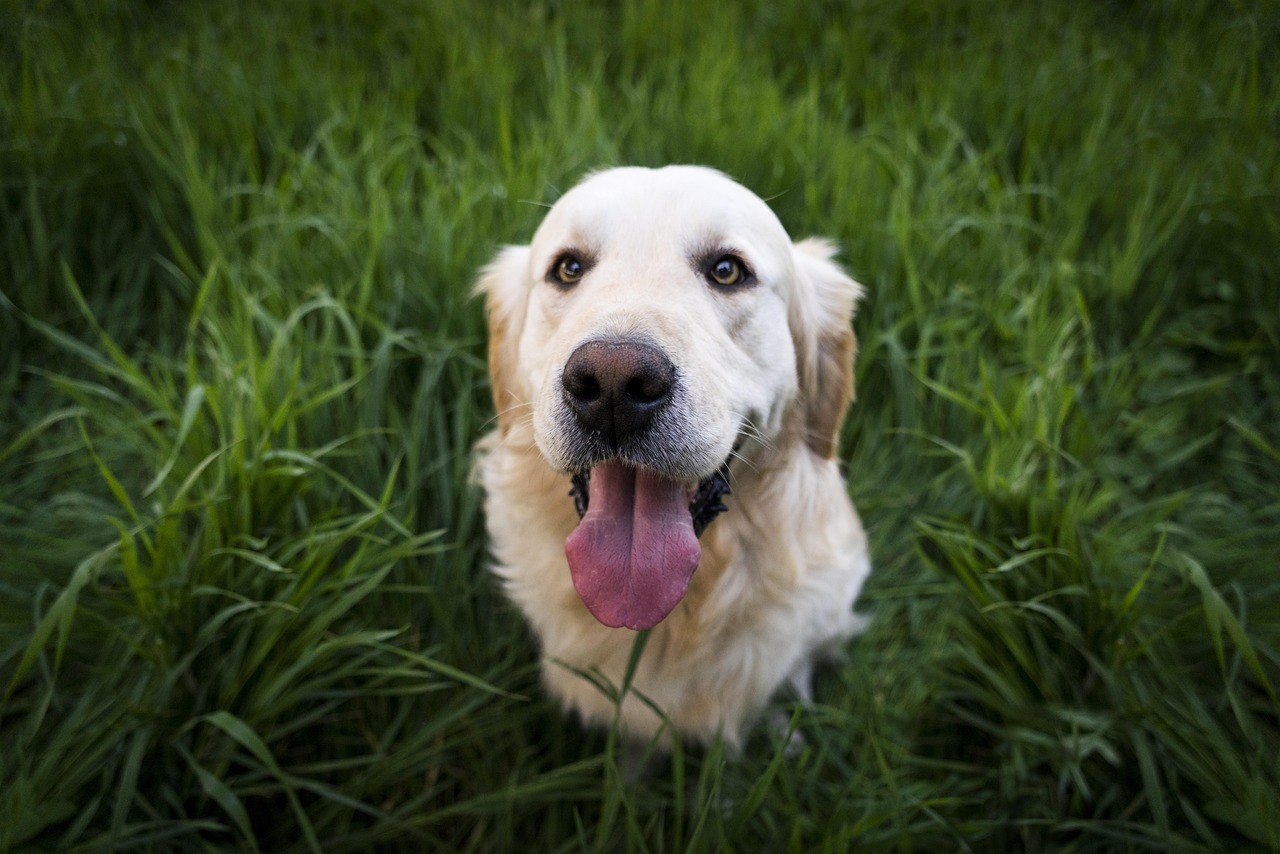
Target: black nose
[{"x": 615, "y": 387}]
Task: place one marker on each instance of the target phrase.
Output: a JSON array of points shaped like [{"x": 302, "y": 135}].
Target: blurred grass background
[{"x": 243, "y": 603}]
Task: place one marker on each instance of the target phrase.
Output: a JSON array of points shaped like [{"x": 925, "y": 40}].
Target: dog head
[{"x": 660, "y": 324}]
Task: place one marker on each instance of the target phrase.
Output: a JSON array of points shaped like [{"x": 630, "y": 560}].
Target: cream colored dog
[{"x": 666, "y": 363}]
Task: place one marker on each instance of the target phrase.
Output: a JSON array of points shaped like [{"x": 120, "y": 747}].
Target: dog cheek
[
  {"x": 765, "y": 374},
  {"x": 549, "y": 416}
]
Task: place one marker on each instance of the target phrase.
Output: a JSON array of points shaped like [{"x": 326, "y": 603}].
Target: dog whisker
[
  {"x": 523, "y": 411},
  {"x": 745, "y": 460}
]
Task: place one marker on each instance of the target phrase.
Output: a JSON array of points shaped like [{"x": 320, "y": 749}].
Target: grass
[{"x": 243, "y": 603}]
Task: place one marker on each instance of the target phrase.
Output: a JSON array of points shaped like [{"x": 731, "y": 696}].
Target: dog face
[{"x": 661, "y": 324}]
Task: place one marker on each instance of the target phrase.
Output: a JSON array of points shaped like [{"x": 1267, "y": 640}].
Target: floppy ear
[
  {"x": 820, "y": 317},
  {"x": 506, "y": 295}
]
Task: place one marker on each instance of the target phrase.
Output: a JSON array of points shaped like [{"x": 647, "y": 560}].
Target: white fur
[{"x": 765, "y": 369}]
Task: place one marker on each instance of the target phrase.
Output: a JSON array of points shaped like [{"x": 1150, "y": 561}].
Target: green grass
[{"x": 243, "y": 602}]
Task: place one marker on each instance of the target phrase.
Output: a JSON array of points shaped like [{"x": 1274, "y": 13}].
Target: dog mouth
[
  {"x": 704, "y": 500},
  {"x": 636, "y": 546}
]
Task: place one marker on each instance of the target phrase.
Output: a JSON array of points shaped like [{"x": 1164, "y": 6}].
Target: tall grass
[{"x": 243, "y": 598}]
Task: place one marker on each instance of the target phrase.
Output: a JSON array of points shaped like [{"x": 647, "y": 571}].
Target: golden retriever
[{"x": 671, "y": 373}]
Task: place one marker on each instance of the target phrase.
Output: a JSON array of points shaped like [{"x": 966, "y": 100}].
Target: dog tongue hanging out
[
  {"x": 671, "y": 374},
  {"x": 633, "y": 553}
]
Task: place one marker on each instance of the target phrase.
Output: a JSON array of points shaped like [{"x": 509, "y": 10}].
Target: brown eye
[
  {"x": 727, "y": 271},
  {"x": 568, "y": 270}
]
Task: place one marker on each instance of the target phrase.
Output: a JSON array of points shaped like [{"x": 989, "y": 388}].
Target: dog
[{"x": 671, "y": 373}]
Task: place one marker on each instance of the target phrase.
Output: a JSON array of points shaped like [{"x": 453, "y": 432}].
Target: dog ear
[
  {"x": 820, "y": 317},
  {"x": 506, "y": 295}
]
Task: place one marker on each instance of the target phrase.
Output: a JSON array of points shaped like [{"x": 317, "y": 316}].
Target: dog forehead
[{"x": 674, "y": 205}]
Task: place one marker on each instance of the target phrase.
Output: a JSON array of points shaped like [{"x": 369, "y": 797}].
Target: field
[{"x": 243, "y": 596}]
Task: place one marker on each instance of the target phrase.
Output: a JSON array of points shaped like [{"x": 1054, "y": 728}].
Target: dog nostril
[
  {"x": 647, "y": 389},
  {"x": 583, "y": 386}
]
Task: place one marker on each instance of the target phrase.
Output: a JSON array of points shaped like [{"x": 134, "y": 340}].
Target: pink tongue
[{"x": 633, "y": 553}]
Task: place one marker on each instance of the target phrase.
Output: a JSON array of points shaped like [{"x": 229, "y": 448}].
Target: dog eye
[
  {"x": 568, "y": 270},
  {"x": 727, "y": 271}
]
